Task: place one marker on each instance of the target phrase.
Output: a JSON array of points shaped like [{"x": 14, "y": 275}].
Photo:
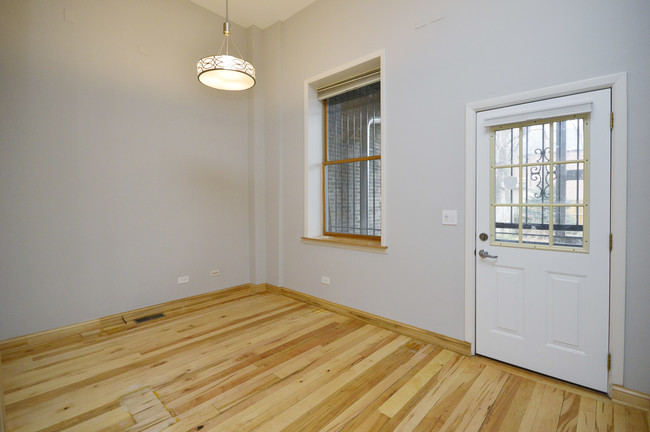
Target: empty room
[{"x": 324, "y": 215}]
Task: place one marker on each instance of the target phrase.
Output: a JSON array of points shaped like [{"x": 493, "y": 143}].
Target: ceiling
[{"x": 260, "y": 13}]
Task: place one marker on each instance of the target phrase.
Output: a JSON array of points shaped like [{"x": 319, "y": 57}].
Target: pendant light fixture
[{"x": 223, "y": 71}]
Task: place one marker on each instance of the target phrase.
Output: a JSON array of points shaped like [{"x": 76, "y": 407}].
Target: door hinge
[
  {"x": 611, "y": 242},
  {"x": 609, "y": 362},
  {"x": 611, "y": 121}
]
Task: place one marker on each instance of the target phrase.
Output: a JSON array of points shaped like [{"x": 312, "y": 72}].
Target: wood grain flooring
[{"x": 264, "y": 362}]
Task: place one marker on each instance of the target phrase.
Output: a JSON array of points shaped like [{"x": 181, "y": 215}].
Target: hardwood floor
[{"x": 270, "y": 363}]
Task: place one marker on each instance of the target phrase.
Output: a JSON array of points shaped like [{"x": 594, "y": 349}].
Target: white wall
[
  {"x": 257, "y": 160},
  {"x": 271, "y": 62},
  {"x": 119, "y": 171},
  {"x": 479, "y": 50}
]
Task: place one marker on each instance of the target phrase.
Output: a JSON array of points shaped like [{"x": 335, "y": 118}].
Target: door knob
[{"x": 485, "y": 254}]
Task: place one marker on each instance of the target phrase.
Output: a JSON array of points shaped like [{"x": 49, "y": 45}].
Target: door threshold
[{"x": 541, "y": 378}]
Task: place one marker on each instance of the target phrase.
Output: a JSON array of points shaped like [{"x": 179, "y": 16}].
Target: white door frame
[{"x": 618, "y": 84}]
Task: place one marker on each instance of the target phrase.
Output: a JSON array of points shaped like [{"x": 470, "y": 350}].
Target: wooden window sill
[{"x": 346, "y": 243}]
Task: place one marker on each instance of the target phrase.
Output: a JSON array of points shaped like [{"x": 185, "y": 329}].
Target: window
[
  {"x": 539, "y": 190},
  {"x": 345, "y": 167},
  {"x": 352, "y": 163}
]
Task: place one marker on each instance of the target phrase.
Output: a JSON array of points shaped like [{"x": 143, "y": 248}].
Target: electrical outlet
[
  {"x": 325, "y": 280},
  {"x": 183, "y": 279},
  {"x": 214, "y": 273}
]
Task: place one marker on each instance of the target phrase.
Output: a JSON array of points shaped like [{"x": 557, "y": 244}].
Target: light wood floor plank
[
  {"x": 471, "y": 411},
  {"x": 227, "y": 388},
  {"x": 587, "y": 415},
  {"x": 312, "y": 387},
  {"x": 335, "y": 397},
  {"x": 508, "y": 411},
  {"x": 118, "y": 420},
  {"x": 548, "y": 414},
  {"x": 569, "y": 415},
  {"x": 536, "y": 399},
  {"x": 368, "y": 416},
  {"x": 636, "y": 420},
  {"x": 439, "y": 386},
  {"x": 404, "y": 394},
  {"x": 620, "y": 418},
  {"x": 243, "y": 362},
  {"x": 454, "y": 391},
  {"x": 381, "y": 388},
  {"x": 604, "y": 416}
]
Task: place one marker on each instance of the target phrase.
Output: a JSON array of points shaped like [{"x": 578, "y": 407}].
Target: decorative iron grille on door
[{"x": 538, "y": 184}]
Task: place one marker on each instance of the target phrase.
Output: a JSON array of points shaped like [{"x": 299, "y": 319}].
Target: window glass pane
[
  {"x": 506, "y": 147},
  {"x": 354, "y": 124},
  {"x": 506, "y": 185},
  {"x": 549, "y": 176},
  {"x": 569, "y": 141},
  {"x": 535, "y": 185},
  {"x": 536, "y": 142},
  {"x": 353, "y": 198},
  {"x": 535, "y": 225},
  {"x": 568, "y": 226},
  {"x": 568, "y": 184},
  {"x": 506, "y": 224}
]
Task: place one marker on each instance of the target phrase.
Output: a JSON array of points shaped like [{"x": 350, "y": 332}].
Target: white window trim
[
  {"x": 618, "y": 84},
  {"x": 313, "y": 121}
]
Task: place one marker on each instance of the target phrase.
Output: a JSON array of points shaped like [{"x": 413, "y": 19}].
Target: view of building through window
[
  {"x": 539, "y": 188},
  {"x": 352, "y": 163}
]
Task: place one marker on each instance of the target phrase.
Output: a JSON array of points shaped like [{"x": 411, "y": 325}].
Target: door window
[{"x": 538, "y": 188}]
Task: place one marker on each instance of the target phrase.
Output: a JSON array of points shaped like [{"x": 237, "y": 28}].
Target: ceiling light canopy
[{"x": 223, "y": 71}]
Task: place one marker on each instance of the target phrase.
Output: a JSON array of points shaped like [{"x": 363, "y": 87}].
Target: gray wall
[
  {"x": 479, "y": 50},
  {"x": 119, "y": 171}
]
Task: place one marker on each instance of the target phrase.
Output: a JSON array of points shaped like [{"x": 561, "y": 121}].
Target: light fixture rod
[{"x": 226, "y": 31}]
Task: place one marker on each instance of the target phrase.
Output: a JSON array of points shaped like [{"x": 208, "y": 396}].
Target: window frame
[{"x": 326, "y": 162}]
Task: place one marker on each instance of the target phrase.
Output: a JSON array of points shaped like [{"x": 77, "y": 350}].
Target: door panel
[
  {"x": 565, "y": 320},
  {"x": 543, "y": 195},
  {"x": 510, "y": 301}
]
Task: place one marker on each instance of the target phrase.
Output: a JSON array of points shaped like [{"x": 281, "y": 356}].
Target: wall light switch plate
[
  {"x": 183, "y": 279},
  {"x": 449, "y": 217}
]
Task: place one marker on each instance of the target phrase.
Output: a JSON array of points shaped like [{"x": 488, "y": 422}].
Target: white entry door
[{"x": 542, "y": 246}]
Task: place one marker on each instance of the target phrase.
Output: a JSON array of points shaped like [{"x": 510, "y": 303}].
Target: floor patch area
[{"x": 148, "y": 411}]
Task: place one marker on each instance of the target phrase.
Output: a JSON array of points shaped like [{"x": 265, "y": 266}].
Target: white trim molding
[
  {"x": 313, "y": 138},
  {"x": 618, "y": 84}
]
